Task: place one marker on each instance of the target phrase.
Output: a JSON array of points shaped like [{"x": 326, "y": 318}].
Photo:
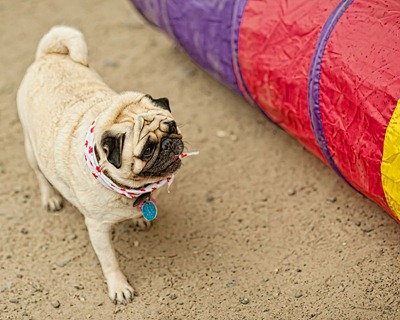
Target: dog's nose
[
  {"x": 172, "y": 127},
  {"x": 166, "y": 145},
  {"x": 172, "y": 145}
]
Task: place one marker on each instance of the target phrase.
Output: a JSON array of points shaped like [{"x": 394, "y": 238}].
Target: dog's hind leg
[{"x": 51, "y": 198}]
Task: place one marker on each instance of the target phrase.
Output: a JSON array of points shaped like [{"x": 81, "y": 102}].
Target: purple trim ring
[{"x": 314, "y": 107}]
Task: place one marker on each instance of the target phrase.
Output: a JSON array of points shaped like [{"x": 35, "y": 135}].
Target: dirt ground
[{"x": 254, "y": 228}]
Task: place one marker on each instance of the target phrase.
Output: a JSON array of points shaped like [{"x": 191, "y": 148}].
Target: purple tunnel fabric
[{"x": 206, "y": 36}]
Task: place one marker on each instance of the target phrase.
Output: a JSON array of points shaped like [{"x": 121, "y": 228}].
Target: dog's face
[{"x": 138, "y": 142}]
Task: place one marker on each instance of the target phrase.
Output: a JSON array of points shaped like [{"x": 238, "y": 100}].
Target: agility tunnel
[{"x": 327, "y": 72}]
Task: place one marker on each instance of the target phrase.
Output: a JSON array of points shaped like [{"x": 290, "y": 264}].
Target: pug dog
[{"x": 134, "y": 143}]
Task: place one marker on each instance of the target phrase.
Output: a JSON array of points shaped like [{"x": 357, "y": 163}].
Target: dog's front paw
[
  {"x": 52, "y": 201},
  {"x": 141, "y": 224},
  {"x": 119, "y": 290}
]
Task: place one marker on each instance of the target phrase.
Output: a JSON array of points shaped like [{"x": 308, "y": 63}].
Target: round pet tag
[{"x": 149, "y": 210}]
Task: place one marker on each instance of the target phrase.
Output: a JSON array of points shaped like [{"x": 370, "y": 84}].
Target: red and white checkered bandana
[{"x": 97, "y": 173}]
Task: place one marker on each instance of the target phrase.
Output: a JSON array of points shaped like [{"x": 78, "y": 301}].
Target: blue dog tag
[{"x": 149, "y": 210}]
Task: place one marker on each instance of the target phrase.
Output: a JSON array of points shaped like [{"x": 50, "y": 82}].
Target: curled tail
[{"x": 64, "y": 40}]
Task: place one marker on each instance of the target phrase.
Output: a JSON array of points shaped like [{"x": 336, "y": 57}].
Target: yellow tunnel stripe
[{"x": 390, "y": 167}]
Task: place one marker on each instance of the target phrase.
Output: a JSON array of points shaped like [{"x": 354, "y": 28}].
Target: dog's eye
[{"x": 148, "y": 152}]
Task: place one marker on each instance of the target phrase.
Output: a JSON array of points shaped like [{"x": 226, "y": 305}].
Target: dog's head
[{"x": 137, "y": 140}]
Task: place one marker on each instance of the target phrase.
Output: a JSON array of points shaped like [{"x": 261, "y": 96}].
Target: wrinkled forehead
[{"x": 144, "y": 124}]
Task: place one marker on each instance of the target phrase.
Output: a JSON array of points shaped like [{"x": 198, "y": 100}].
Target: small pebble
[
  {"x": 72, "y": 237},
  {"x": 210, "y": 197},
  {"x": 291, "y": 192},
  {"x": 99, "y": 304},
  {"x": 244, "y": 300},
  {"x": 24, "y": 231},
  {"x": 79, "y": 286},
  {"x": 13, "y": 300},
  {"x": 17, "y": 189},
  {"x": 357, "y": 223},
  {"x": 136, "y": 243},
  {"x": 331, "y": 199},
  {"x": 298, "y": 295},
  {"x": 231, "y": 284},
  {"x": 55, "y": 303},
  {"x": 341, "y": 288},
  {"x": 173, "y": 296},
  {"x": 62, "y": 263},
  {"x": 221, "y": 134}
]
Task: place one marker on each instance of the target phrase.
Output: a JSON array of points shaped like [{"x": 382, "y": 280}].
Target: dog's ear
[
  {"x": 113, "y": 146},
  {"x": 162, "y": 102}
]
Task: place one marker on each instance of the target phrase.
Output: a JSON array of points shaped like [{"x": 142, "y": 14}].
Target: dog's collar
[
  {"x": 148, "y": 204},
  {"x": 94, "y": 167}
]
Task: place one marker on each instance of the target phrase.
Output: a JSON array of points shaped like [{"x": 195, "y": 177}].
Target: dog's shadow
[{"x": 178, "y": 238}]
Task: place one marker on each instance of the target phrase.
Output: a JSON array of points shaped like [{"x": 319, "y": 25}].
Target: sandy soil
[{"x": 254, "y": 228}]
